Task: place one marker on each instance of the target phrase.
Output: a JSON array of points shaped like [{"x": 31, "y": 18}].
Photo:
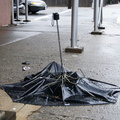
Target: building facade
[{"x": 5, "y": 12}]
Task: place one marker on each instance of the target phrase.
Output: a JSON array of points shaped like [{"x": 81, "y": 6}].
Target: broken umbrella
[{"x": 55, "y": 85}]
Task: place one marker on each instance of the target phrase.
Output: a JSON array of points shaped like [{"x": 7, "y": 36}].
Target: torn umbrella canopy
[{"x": 55, "y": 85}]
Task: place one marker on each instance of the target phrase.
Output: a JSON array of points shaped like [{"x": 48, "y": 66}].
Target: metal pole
[
  {"x": 100, "y": 13},
  {"x": 92, "y": 4},
  {"x": 17, "y": 10},
  {"x": 69, "y": 4},
  {"x": 96, "y": 18},
  {"x": 101, "y": 18},
  {"x": 74, "y": 29},
  {"x": 26, "y": 12},
  {"x": 56, "y": 17},
  {"x": 74, "y": 23},
  {"x": 96, "y": 5},
  {"x": 12, "y": 20},
  {"x": 59, "y": 43}
]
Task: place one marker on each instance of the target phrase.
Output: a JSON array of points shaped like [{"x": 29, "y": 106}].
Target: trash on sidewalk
[
  {"x": 26, "y": 63},
  {"x": 57, "y": 86},
  {"x": 24, "y": 68}
]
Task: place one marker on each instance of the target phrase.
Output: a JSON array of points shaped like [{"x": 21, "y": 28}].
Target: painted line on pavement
[
  {"x": 50, "y": 15},
  {"x": 19, "y": 39}
]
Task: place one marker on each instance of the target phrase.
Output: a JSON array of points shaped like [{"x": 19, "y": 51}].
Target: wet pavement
[{"x": 37, "y": 43}]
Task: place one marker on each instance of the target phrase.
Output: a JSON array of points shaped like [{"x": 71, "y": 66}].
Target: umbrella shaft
[{"x": 59, "y": 43}]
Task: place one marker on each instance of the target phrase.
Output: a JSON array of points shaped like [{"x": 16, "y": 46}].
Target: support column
[
  {"x": 12, "y": 19},
  {"x": 69, "y": 4},
  {"x": 17, "y": 11},
  {"x": 74, "y": 24},
  {"x": 26, "y": 12},
  {"x": 74, "y": 29},
  {"x": 101, "y": 16},
  {"x": 96, "y": 14},
  {"x": 92, "y": 4}
]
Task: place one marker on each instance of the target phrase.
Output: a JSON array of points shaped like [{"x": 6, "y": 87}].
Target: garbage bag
[{"x": 55, "y": 85}]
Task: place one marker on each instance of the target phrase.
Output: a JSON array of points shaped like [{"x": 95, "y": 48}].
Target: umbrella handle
[{"x": 56, "y": 17}]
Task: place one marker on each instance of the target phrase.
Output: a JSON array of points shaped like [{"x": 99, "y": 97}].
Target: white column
[
  {"x": 17, "y": 10},
  {"x": 74, "y": 23},
  {"x": 96, "y": 17},
  {"x": 100, "y": 18},
  {"x": 12, "y": 21},
  {"x": 92, "y": 4},
  {"x": 74, "y": 29},
  {"x": 26, "y": 11},
  {"x": 96, "y": 7}
]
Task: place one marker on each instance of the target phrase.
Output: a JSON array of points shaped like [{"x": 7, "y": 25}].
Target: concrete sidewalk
[{"x": 37, "y": 43}]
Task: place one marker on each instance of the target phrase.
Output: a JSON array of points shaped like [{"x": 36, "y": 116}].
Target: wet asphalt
[{"x": 37, "y": 43}]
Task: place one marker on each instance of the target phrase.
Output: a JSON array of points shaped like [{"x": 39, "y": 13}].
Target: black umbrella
[{"x": 55, "y": 85}]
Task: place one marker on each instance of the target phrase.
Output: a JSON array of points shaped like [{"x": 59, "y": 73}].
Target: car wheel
[{"x": 23, "y": 10}]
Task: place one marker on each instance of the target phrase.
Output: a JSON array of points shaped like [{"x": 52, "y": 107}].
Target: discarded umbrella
[{"x": 55, "y": 85}]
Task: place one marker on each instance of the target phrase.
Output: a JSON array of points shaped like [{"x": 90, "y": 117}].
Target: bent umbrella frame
[{"x": 57, "y": 86}]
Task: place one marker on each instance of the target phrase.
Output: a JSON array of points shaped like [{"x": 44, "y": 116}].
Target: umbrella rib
[
  {"x": 22, "y": 96},
  {"x": 85, "y": 90},
  {"x": 51, "y": 73},
  {"x": 71, "y": 77},
  {"x": 70, "y": 81},
  {"x": 82, "y": 73},
  {"x": 33, "y": 80},
  {"x": 51, "y": 83},
  {"x": 41, "y": 82}
]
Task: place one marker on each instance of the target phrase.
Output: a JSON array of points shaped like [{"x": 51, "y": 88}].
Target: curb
[{"x": 7, "y": 115}]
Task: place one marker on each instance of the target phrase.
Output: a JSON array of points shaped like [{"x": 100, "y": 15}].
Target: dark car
[{"x": 35, "y": 5}]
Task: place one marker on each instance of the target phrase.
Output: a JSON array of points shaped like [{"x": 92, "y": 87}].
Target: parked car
[{"x": 35, "y": 5}]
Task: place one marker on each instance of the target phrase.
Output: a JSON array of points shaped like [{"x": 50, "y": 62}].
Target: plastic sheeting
[{"x": 55, "y": 85}]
